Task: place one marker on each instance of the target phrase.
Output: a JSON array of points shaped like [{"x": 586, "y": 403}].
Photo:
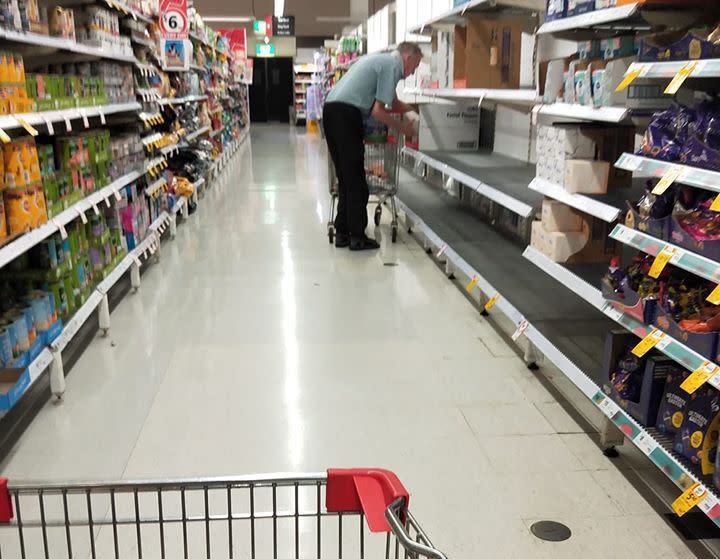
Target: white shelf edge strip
[
  {"x": 200, "y": 132},
  {"x": 509, "y": 95},
  {"x": 36, "y": 39},
  {"x": 623, "y": 234},
  {"x": 24, "y": 243},
  {"x": 584, "y": 383},
  {"x": 648, "y": 167},
  {"x": 10, "y": 122},
  {"x": 581, "y": 112},
  {"x": 597, "y": 17},
  {"x": 578, "y": 201},
  {"x": 514, "y": 205}
]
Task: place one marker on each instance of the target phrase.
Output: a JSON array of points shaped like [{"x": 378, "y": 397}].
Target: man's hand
[{"x": 409, "y": 128}]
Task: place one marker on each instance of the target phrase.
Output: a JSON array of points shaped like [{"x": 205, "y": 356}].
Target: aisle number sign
[{"x": 174, "y": 19}]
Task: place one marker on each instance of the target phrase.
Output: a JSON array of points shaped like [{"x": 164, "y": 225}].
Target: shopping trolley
[
  {"x": 382, "y": 171},
  {"x": 281, "y": 515}
]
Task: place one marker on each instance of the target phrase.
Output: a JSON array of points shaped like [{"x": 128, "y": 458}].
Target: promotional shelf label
[
  {"x": 470, "y": 286},
  {"x": 670, "y": 176},
  {"x": 491, "y": 302},
  {"x": 648, "y": 342},
  {"x": 700, "y": 376},
  {"x": 661, "y": 260},
  {"x": 691, "y": 497}
]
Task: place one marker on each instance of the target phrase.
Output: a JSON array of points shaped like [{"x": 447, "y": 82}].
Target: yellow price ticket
[
  {"x": 692, "y": 496},
  {"x": 661, "y": 260},
  {"x": 470, "y": 286},
  {"x": 491, "y": 302},
  {"x": 684, "y": 73},
  {"x": 648, "y": 342},
  {"x": 714, "y": 297},
  {"x": 670, "y": 176},
  {"x": 635, "y": 71},
  {"x": 700, "y": 376}
]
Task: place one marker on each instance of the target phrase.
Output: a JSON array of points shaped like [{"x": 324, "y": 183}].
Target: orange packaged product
[
  {"x": 31, "y": 161},
  {"x": 38, "y": 208},
  {"x": 15, "y": 176},
  {"x": 3, "y": 222},
  {"x": 18, "y": 210}
]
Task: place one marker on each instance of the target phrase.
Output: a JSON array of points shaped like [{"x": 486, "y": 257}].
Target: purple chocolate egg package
[
  {"x": 701, "y": 409},
  {"x": 671, "y": 414}
]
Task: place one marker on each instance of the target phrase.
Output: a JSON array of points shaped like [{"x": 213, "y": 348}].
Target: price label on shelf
[
  {"x": 714, "y": 296},
  {"x": 648, "y": 342},
  {"x": 61, "y": 228},
  {"x": 102, "y": 116},
  {"x": 68, "y": 125},
  {"x": 95, "y": 208},
  {"x": 49, "y": 124},
  {"x": 26, "y": 125},
  {"x": 646, "y": 443},
  {"x": 670, "y": 176},
  {"x": 83, "y": 114},
  {"x": 470, "y": 286},
  {"x": 520, "y": 330},
  {"x": 608, "y": 407},
  {"x": 4, "y": 136},
  {"x": 692, "y": 496},
  {"x": 491, "y": 302},
  {"x": 684, "y": 73},
  {"x": 107, "y": 201},
  {"x": 661, "y": 260},
  {"x": 635, "y": 71},
  {"x": 700, "y": 376},
  {"x": 441, "y": 251},
  {"x": 135, "y": 259},
  {"x": 82, "y": 215},
  {"x": 708, "y": 503},
  {"x": 117, "y": 195}
]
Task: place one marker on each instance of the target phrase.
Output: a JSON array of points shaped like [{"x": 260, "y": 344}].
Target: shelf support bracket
[
  {"x": 532, "y": 356},
  {"x": 57, "y": 375},
  {"x": 610, "y": 437},
  {"x": 135, "y": 276},
  {"x": 173, "y": 226}
]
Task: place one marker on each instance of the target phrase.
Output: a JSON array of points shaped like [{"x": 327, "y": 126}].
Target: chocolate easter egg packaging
[
  {"x": 671, "y": 414},
  {"x": 700, "y": 412}
]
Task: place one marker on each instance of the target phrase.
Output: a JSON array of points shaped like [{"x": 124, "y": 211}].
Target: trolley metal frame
[
  {"x": 64, "y": 519},
  {"x": 382, "y": 172}
]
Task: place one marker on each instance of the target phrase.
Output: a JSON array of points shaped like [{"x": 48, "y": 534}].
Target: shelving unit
[
  {"x": 692, "y": 176},
  {"x": 304, "y": 77},
  {"x": 512, "y": 96}
]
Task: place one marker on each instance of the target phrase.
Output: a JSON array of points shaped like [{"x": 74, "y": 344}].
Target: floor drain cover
[
  {"x": 550, "y": 531},
  {"x": 390, "y": 264}
]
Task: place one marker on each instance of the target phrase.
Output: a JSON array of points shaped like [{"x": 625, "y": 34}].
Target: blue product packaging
[
  {"x": 577, "y": 7},
  {"x": 6, "y": 354},
  {"x": 556, "y": 9}
]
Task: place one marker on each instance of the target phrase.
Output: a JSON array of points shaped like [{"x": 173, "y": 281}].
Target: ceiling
[{"x": 305, "y": 12}]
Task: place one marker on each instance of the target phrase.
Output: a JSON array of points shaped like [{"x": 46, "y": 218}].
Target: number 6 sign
[{"x": 173, "y": 19}]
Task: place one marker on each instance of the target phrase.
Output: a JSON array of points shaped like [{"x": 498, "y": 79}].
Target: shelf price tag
[
  {"x": 135, "y": 259},
  {"x": 646, "y": 443},
  {"x": 470, "y": 286},
  {"x": 83, "y": 114},
  {"x": 117, "y": 195},
  {"x": 520, "y": 330},
  {"x": 82, "y": 215},
  {"x": 441, "y": 251},
  {"x": 635, "y": 71},
  {"x": 102, "y": 116},
  {"x": 691, "y": 497},
  {"x": 648, "y": 342},
  {"x": 608, "y": 407},
  {"x": 4, "y": 136},
  {"x": 68, "y": 126},
  {"x": 95, "y": 208},
  {"x": 714, "y": 297},
  {"x": 491, "y": 302},
  {"x": 670, "y": 176},
  {"x": 700, "y": 376},
  {"x": 26, "y": 125},
  {"x": 661, "y": 260},
  {"x": 61, "y": 228},
  {"x": 684, "y": 73}
]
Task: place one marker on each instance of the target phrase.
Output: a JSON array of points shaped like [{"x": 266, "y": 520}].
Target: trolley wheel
[
  {"x": 394, "y": 234},
  {"x": 331, "y": 236},
  {"x": 378, "y": 215}
]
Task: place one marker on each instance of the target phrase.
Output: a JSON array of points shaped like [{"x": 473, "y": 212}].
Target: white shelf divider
[
  {"x": 581, "y": 112},
  {"x": 590, "y": 19},
  {"x": 578, "y": 201}
]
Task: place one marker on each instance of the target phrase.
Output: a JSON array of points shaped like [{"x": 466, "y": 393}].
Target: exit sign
[
  {"x": 264, "y": 50},
  {"x": 259, "y": 27}
]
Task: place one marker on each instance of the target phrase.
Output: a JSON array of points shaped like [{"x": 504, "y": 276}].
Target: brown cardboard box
[
  {"x": 459, "y": 48},
  {"x": 493, "y": 53},
  {"x": 585, "y": 176}
]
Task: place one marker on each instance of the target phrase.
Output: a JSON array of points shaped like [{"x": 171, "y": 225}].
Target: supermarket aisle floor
[{"x": 254, "y": 346}]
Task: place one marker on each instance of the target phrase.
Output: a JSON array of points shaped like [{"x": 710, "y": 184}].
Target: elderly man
[{"x": 367, "y": 89}]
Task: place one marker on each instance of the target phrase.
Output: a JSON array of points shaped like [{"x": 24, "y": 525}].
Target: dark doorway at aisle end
[{"x": 271, "y": 92}]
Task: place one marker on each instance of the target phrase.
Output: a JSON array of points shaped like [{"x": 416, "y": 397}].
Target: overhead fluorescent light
[
  {"x": 279, "y": 8},
  {"x": 229, "y": 19}
]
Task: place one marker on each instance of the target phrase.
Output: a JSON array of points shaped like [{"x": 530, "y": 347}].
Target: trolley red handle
[
  {"x": 368, "y": 490},
  {"x": 6, "y": 508}
]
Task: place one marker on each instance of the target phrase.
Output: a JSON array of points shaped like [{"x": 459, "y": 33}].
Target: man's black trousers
[{"x": 344, "y": 132}]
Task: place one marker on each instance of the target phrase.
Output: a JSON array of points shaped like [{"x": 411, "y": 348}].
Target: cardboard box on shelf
[
  {"x": 585, "y": 176},
  {"x": 560, "y": 218},
  {"x": 591, "y": 244},
  {"x": 459, "y": 48},
  {"x": 493, "y": 53},
  {"x": 448, "y": 138}
]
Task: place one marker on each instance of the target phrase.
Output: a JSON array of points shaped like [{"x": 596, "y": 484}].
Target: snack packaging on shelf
[{"x": 700, "y": 412}]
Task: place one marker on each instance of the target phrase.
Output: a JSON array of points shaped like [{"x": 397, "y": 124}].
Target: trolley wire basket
[
  {"x": 382, "y": 173},
  {"x": 273, "y": 516}
]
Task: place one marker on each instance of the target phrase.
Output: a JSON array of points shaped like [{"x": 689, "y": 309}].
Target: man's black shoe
[
  {"x": 342, "y": 241},
  {"x": 364, "y": 243}
]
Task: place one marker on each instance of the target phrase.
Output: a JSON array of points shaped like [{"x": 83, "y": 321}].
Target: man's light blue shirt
[{"x": 373, "y": 77}]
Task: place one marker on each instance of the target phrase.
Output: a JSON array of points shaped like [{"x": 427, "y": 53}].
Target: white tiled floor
[{"x": 254, "y": 346}]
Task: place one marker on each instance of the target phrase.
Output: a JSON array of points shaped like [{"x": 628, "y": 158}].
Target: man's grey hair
[{"x": 412, "y": 49}]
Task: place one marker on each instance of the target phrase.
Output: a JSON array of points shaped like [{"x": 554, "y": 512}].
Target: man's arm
[
  {"x": 381, "y": 114},
  {"x": 401, "y": 107}
]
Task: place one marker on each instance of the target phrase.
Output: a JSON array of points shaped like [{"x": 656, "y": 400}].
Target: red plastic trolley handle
[{"x": 368, "y": 490}]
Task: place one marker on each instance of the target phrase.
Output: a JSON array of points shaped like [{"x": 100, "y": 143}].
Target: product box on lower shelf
[
  {"x": 658, "y": 228},
  {"x": 680, "y": 237},
  {"x": 704, "y": 344},
  {"x": 636, "y": 384},
  {"x": 590, "y": 244}
]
